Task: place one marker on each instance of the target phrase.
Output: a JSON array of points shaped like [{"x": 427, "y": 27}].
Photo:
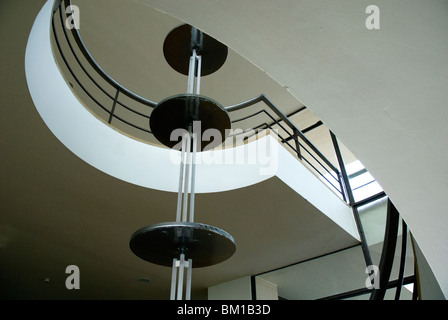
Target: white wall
[{"x": 240, "y": 289}]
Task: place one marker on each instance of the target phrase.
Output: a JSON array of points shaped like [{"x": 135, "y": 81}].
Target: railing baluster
[
  {"x": 388, "y": 251},
  {"x": 351, "y": 201},
  {"x": 296, "y": 140},
  {"x": 292, "y": 131},
  {"x": 112, "y": 111},
  {"x": 77, "y": 37},
  {"x": 404, "y": 236}
]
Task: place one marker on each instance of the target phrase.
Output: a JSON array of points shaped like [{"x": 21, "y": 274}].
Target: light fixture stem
[
  {"x": 181, "y": 178},
  {"x": 186, "y": 181},
  {"x": 173, "y": 279},
  {"x": 186, "y": 191},
  {"x": 188, "y": 288},
  {"x": 193, "y": 174},
  {"x": 198, "y": 74},
  {"x": 180, "y": 284},
  {"x": 192, "y": 72}
]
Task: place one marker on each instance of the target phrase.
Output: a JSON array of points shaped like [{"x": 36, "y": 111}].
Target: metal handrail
[
  {"x": 100, "y": 71},
  {"x": 301, "y": 141},
  {"x": 288, "y": 122},
  {"x": 388, "y": 251}
]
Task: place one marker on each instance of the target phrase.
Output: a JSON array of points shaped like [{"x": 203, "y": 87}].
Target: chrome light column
[{"x": 185, "y": 244}]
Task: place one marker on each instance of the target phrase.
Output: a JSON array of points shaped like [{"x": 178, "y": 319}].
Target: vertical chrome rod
[
  {"x": 181, "y": 178},
  {"x": 188, "y": 288},
  {"x": 180, "y": 284},
  {"x": 193, "y": 175},
  {"x": 191, "y": 72},
  {"x": 173, "y": 280},
  {"x": 198, "y": 79}
]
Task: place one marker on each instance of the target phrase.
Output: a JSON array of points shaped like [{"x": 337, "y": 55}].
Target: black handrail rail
[
  {"x": 388, "y": 251},
  {"x": 288, "y": 122},
  {"x": 91, "y": 78},
  {"x": 404, "y": 235},
  {"x": 294, "y": 133},
  {"x": 351, "y": 200},
  {"x": 100, "y": 71}
]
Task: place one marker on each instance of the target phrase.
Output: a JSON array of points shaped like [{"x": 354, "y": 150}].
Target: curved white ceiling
[
  {"x": 118, "y": 154},
  {"x": 382, "y": 92}
]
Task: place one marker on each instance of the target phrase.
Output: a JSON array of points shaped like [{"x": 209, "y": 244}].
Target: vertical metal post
[
  {"x": 198, "y": 74},
  {"x": 188, "y": 287},
  {"x": 178, "y": 281},
  {"x": 346, "y": 184},
  {"x": 348, "y": 190},
  {"x": 404, "y": 237},
  {"x": 192, "y": 72},
  {"x": 253, "y": 287},
  {"x": 112, "y": 111},
  {"x": 416, "y": 290},
  {"x": 180, "y": 284},
  {"x": 343, "y": 187},
  {"x": 186, "y": 189},
  {"x": 193, "y": 175},
  {"x": 186, "y": 182},
  {"x": 188, "y": 160},
  {"x": 388, "y": 251},
  {"x": 181, "y": 179},
  {"x": 173, "y": 279},
  {"x": 296, "y": 139}
]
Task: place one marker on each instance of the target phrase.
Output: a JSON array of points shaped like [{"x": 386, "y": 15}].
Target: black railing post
[
  {"x": 343, "y": 187},
  {"x": 297, "y": 134},
  {"x": 416, "y": 291},
  {"x": 253, "y": 287},
  {"x": 112, "y": 111},
  {"x": 388, "y": 251},
  {"x": 402, "y": 259},
  {"x": 351, "y": 201},
  {"x": 296, "y": 140}
]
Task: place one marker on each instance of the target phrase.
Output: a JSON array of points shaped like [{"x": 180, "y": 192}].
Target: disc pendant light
[{"x": 184, "y": 244}]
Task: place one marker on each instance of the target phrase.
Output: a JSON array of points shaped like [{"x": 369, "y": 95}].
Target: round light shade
[
  {"x": 177, "y": 49},
  {"x": 204, "y": 244},
  {"x": 180, "y": 111}
]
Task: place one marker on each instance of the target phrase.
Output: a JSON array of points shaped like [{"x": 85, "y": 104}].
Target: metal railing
[{"x": 130, "y": 113}]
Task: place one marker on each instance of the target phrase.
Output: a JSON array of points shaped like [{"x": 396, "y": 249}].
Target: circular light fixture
[
  {"x": 181, "y": 111},
  {"x": 185, "y": 244},
  {"x": 180, "y": 43},
  {"x": 204, "y": 244}
]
